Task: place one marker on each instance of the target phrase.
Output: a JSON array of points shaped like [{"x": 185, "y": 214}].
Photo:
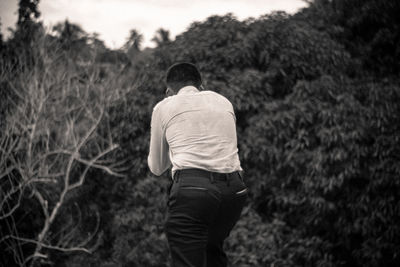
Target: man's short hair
[{"x": 183, "y": 74}]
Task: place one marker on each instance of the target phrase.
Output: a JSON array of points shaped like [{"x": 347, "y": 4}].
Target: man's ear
[{"x": 169, "y": 92}]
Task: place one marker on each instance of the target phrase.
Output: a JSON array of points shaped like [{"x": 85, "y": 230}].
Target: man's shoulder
[
  {"x": 160, "y": 105},
  {"x": 220, "y": 97},
  {"x": 173, "y": 101}
]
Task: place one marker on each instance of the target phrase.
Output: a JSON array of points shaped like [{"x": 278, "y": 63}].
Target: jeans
[{"x": 203, "y": 207}]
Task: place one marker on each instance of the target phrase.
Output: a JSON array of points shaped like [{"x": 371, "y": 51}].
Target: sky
[{"x": 113, "y": 19}]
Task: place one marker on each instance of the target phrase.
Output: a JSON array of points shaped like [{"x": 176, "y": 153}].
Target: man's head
[{"x": 183, "y": 74}]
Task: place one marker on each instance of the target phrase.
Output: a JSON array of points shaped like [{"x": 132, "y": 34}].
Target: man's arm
[{"x": 158, "y": 159}]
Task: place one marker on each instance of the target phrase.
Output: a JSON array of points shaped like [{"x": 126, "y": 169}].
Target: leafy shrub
[
  {"x": 328, "y": 150},
  {"x": 138, "y": 226},
  {"x": 316, "y": 98}
]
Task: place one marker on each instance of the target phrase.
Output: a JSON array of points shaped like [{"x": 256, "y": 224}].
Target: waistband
[{"x": 206, "y": 174}]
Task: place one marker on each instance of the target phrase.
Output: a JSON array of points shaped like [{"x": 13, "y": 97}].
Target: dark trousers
[{"x": 203, "y": 207}]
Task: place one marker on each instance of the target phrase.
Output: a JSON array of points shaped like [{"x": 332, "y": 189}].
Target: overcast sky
[{"x": 113, "y": 19}]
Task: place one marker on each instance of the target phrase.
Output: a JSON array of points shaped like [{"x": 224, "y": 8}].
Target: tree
[
  {"x": 161, "y": 37},
  {"x": 134, "y": 41},
  {"x": 27, "y": 25},
  {"x": 1, "y": 38},
  {"x": 370, "y": 30},
  {"x": 68, "y": 32},
  {"x": 73, "y": 40},
  {"x": 317, "y": 120},
  {"x": 27, "y": 11},
  {"x": 50, "y": 141},
  {"x": 316, "y": 138},
  {"x": 96, "y": 43}
]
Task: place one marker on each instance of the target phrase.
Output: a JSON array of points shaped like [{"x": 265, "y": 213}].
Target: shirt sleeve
[
  {"x": 232, "y": 111},
  {"x": 158, "y": 159}
]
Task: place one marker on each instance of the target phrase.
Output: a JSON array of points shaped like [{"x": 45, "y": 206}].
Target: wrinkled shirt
[{"x": 193, "y": 129}]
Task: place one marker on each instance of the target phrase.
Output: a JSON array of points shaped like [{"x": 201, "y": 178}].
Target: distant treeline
[{"x": 317, "y": 101}]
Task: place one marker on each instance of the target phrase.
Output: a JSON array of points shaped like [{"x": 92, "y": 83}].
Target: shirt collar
[{"x": 188, "y": 90}]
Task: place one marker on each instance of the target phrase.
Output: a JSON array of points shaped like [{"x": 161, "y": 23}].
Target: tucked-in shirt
[{"x": 193, "y": 129}]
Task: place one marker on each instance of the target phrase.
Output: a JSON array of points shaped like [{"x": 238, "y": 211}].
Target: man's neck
[{"x": 188, "y": 90}]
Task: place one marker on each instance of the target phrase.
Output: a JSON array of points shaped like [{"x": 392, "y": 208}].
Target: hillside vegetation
[{"x": 317, "y": 100}]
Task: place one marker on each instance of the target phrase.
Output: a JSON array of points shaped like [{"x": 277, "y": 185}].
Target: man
[{"x": 195, "y": 132}]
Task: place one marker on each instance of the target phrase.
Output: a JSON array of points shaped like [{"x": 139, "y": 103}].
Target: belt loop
[
  {"x": 176, "y": 178},
  {"x": 227, "y": 178},
  {"x": 240, "y": 176},
  {"x": 212, "y": 177}
]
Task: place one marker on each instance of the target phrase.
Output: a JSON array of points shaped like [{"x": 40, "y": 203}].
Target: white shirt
[{"x": 193, "y": 129}]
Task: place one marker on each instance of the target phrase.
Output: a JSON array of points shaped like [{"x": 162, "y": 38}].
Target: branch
[
  {"x": 20, "y": 187},
  {"x": 43, "y": 203},
  {"x": 11, "y": 211},
  {"x": 28, "y": 240},
  {"x": 67, "y": 187},
  {"x": 34, "y": 255},
  {"x": 85, "y": 161},
  {"x": 65, "y": 239},
  {"x": 91, "y": 163},
  {"x": 7, "y": 171},
  {"x": 90, "y": 237},
  {"x": 102, "y": 167}
]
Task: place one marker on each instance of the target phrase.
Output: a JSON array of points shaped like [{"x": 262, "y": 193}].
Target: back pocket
[{"x": 241, "y": 192}]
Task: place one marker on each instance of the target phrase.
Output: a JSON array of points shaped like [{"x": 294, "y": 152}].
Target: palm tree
[
  {"x": 161, "y": 37},
  {"x": 133, "y": 42},
  {"x": 70, "y": 35}
]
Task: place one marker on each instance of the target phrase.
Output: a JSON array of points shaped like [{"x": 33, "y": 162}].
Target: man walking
[{"x": 195, "y": 132}]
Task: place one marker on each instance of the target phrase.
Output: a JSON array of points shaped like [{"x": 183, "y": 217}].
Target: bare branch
[
  {"x": 13, "y": 209},
  {"x": 90, "y": 237},
  {"x": 43, "y": 202},
  {"x": 7, "y": 171},
  {"x": 19, "y": 188},
  {"x": 45, "y": 140},
  {"x": 50, "y": 175},
  {"x": 102, "y": 167},
  {"x": 90, "y": 164},
  {"x": 72, "y": 231},
  {"x": 44, "y": 245},
  {"x": 35, "y": 255}
]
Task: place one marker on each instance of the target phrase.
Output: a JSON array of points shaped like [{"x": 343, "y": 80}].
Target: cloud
[
  {"x": 8, "y": 14},
  {"x": 113, "y": 19}
]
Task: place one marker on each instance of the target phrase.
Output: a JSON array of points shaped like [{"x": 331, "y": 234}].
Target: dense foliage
[{"x": 317, "y": 101}]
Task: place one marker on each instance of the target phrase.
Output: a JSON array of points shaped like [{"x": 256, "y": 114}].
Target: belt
[{"x": 207, "y": 174}]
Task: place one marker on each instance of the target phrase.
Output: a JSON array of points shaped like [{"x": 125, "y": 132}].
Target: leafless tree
[{"x": 49, "y": 142}]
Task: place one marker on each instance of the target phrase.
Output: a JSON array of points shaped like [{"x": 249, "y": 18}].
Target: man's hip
[{"x": 203, "y": 208}]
